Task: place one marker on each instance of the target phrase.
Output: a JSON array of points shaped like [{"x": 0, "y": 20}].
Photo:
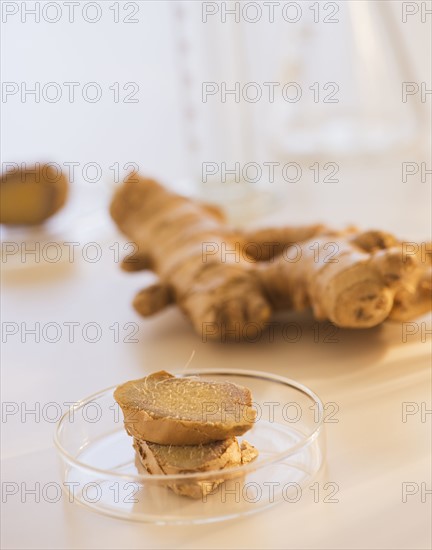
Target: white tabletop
[{"x": 371, "y": 451}]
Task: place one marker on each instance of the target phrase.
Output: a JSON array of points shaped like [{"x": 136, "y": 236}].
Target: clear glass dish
[{"x": 101, "y": 472}]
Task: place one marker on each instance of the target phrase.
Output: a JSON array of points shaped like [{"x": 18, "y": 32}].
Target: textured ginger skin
[
  {"x": 369, "y": 280},
  {"x": 356, "y": 291}
]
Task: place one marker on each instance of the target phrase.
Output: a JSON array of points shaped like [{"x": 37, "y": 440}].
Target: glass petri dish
[{"x": 100, "y": 469}]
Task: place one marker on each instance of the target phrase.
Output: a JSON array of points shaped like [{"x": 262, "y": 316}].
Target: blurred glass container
[{"x": 271, "y": 86}]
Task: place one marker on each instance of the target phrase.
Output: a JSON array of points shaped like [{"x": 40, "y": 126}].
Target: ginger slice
[
  {"x": 170, "y": 459},
  {"x": 184, "y": 411}
]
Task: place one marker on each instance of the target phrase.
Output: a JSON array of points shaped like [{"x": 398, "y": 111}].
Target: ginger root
[
  {"x": 225, "y": 279},
  {"x": 31, "y": 196}
]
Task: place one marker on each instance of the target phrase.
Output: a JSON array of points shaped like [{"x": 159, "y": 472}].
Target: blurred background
[{"x": 320, "y": 109}]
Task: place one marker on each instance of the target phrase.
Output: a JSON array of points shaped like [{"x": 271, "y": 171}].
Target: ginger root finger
[
  {"x": 371, "y": 241},
  {"x": 220, "y": 298},
  {"x": 139, "y": 261},
  {"x": 152, "y": 299},
  {"x": 214, "y": 211},
  {"x": 265, "y": 244},
  {"x": 224, "y": 311},
  {"x": 29, "y": 197}
]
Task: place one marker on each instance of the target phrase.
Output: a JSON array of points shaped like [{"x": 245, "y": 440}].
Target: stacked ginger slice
[{"x": 187, "y": 425}]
